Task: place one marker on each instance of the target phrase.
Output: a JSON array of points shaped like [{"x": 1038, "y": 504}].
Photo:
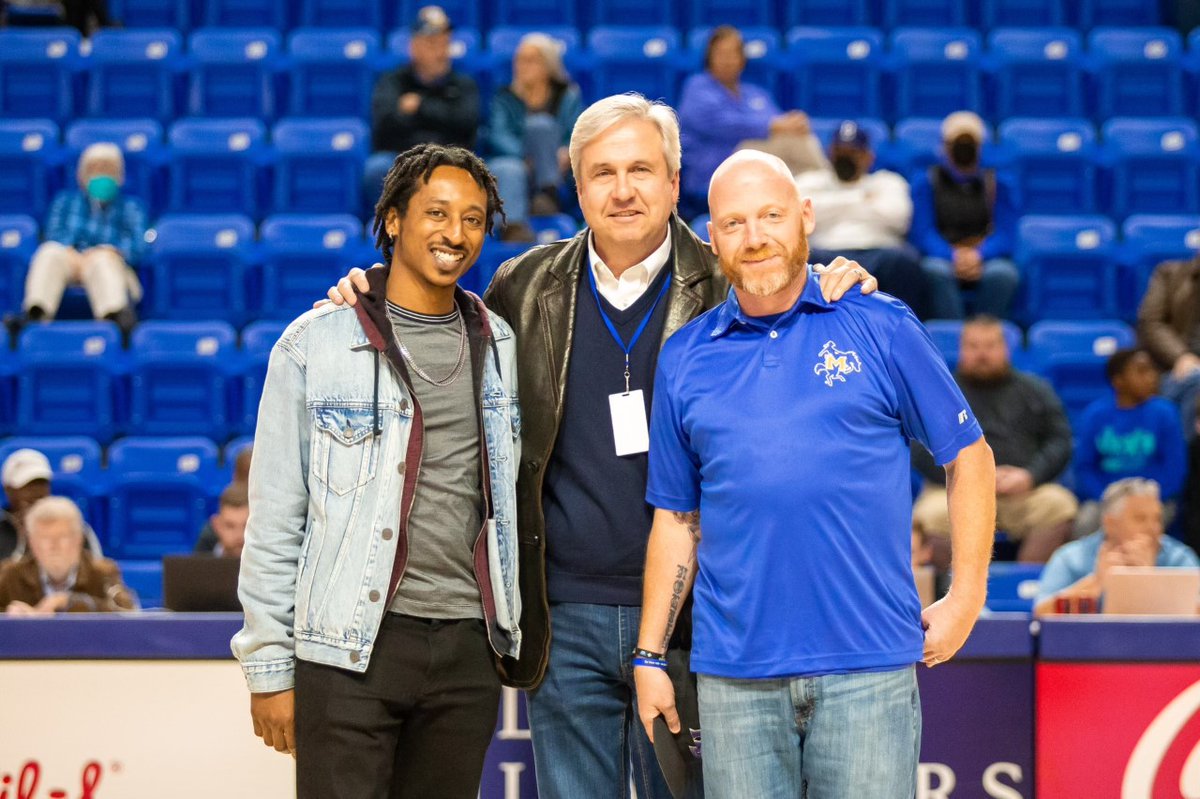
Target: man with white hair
[
  {"x": 26, "y": 475},
  {"x": 779, "y": 474},
  {"x": 590, "y": 314},
  {"x": 1131, "y": 534},
  {"x": 94, "y": 236},
  {"x": 57, "y": 574}
]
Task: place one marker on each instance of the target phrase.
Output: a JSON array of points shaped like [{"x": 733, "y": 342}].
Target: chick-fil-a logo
[
  {"x": 30, "y": 777},
  {"x": 1142, "y": 769}
]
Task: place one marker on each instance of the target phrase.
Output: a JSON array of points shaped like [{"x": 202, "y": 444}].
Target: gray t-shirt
[{"x": 439, "y": 580}]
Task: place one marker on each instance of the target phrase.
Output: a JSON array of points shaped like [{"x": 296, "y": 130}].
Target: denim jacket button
[
  {"x": 400, "y": 468},
  {"x": 403, "y": 406},
  {"x": 387, "y": 534},
  {"x": 373, "y": 596},
  {"x": 353, "y": 657}
]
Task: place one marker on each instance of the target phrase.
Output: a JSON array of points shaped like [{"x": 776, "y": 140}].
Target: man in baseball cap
[{"x": 26, "y": 477}]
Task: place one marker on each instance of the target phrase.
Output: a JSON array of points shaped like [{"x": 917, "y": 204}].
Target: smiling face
[{"x": 626, "y": 190}]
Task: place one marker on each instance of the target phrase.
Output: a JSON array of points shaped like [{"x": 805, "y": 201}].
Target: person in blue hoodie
[
  {"x": 965, "y": 224},
  {"x": 1131, "y": 432}
]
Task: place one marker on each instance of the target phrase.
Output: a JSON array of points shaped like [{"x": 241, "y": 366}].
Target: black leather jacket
[{"x": 536, "y": 293}]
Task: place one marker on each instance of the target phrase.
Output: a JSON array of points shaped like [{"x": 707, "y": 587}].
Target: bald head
[{"x": 746, "y": 163}]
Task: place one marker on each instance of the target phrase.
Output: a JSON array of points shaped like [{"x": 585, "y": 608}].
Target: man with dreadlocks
[{"x": 379, "y": 577}]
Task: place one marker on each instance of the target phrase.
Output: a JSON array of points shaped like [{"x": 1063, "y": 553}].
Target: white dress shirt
[{"x": 623, "y": 291}]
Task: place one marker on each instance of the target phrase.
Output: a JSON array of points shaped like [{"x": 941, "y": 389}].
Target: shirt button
[
  {"x": 373, "y": 596},
  {"x": 353, "y": 657},
  {"x": 774, "y": 334},
  {"x": 387, "y": 534}
]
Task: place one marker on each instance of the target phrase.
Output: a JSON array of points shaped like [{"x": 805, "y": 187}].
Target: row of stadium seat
[
  {"x": 180, "y": 378},
  {"x": 183, "y": 14},
  {"x": 1135, "y": 165},
  {"x": 826, "y": 71}
]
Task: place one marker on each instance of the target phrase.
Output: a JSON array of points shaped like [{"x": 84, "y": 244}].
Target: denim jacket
[{"x": 337, "y": 454}]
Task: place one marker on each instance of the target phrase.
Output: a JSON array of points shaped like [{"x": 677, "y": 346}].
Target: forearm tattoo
[
  {"x": 692, "y": 521},
  {"x": 681, "y": 571}
]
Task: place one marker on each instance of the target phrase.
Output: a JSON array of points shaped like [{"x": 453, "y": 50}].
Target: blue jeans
[
  {"x": 583, "y": 717},
  {"x": 828, "y": 737},
  {"x": 1184, "y": 394},
  {"x": 994, "y": 290},
  {"x": 536, "y": 170}
]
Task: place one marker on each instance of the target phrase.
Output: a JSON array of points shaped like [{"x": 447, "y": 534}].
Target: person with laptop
[{"x": 1131, "y": 534}]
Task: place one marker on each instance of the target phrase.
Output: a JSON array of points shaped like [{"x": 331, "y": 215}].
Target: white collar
[{"x": 634, "y": 280}]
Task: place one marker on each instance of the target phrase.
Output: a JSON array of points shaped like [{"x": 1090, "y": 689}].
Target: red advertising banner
[{"x": 1119, "y": 730}]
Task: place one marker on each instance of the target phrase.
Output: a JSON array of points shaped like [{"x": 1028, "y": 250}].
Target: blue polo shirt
[{"x": 791, "y": 435}]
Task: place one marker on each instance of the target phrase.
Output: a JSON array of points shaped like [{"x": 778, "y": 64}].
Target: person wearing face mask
[
  {"x": 965, "y": 224},
  {"x": 424, "y": 102},
  {"x": 94, "y": 235},
  {"x": 864, "y": 215}
]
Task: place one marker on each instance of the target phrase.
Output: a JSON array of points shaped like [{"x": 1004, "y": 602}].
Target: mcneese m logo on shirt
[{"x": 836, "y": 364}]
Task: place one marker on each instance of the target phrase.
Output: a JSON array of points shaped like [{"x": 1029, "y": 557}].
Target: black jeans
[{"x": 417, "y": 724}]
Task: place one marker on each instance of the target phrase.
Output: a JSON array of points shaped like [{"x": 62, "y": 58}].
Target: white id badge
[{"x": 630, "y": 431}]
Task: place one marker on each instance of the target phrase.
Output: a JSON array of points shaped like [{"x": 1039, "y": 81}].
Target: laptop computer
[
  {"x": 201, "y": 584},
  {"x": 1151, "y": 591}
]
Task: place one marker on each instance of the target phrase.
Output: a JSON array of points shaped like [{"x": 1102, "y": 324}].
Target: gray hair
[
  {"x": 103, "y": 152},
  {"x": 603, "y": 114},
  {"x": 551, "y": 52},
  {"x": 1118, "y": 492},
  {"x": 54, "y": 509}
]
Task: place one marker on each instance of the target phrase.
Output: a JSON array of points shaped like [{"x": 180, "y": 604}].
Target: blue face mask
[{"x": 102, "y": 188}]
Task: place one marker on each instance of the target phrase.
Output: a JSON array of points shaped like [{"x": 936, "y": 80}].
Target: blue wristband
[{"x": 653, "y": 663}]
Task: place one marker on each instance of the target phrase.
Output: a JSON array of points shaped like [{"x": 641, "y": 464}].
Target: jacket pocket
[{"x": 345, "y": 449}]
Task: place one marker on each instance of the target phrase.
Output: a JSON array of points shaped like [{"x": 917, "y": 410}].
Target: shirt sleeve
[
  {"x": 1058, "y": 574},
  {"x": 932, "y": 407},
  {"x": 674, "y": 481}
]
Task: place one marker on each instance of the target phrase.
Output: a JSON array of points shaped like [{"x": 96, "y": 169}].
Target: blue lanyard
[{"x": 626, "y": 348}]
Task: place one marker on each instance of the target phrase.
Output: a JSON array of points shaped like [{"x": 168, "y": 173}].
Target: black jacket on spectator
[
  {"x": 1023, "y": 422},
  {"x": 449, "y": 112}
]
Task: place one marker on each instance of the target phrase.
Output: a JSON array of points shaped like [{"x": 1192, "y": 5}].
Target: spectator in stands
[
  {"x": 1027, "y": 429},
  {"x": 423, "y": 102},
  {"x": 57, "y": 573},
  {"x": 965, "y": 224},
  {"x": 95, "y": 236},
  {"x": 26, "y": 477},
  {"x": 1169, "y": 329},
  {"x": 531, "y": 123},
  {"x": 1129, "y": 433},
  {"x": 1132, "y": 535},
  {"x": 718, "y": 113},
  {"x": 241, "y": 465},
  {"x": 864, "y": 216},
  {"x": 83, "y": 15},
  {"x": 225, "y": 533}
]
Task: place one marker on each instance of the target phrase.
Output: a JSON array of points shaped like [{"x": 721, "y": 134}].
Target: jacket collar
[{"x": 374, "y": 326}]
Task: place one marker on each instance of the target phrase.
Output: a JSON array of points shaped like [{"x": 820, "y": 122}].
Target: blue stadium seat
[
  {"x": 180, "y": 378},
  {"x": 1012, "y": 587},
  {"x": 302, "y": 257},
  {"x": 1022, "y": 13},
  {"x": 341, "y": 14},
  {"x": 75, "y": 461},
  {"x": 742, "y": 13},
  {"x": 234, "y": 448},
  {"x": 141, "y": 143},
  {"x": 174, "y": 14},
  {"x": 463, "y": 13},
  {"x": 133, "y": 73},
  {"x": 1138, "y": 72},
  {"x": 1055, "y": 164},
  {"x": 699, "y": 226},
  {"x": 1125, "y": 13},
  {"x": 233, "y": 73},
  {"x": 18, "y": 240},
  {"x": 37, "y": 72},
  {"x": 947, "y": 332},
  {"x": 1039, "y": 73},
  {"x": 1149, "y": 240},
  {"x": 215, "y": 165},
  {"x": 319, "y": 165},
  {"x": 161, "y": 494},
  {"x": 835, "y": 72},
  {"x": 9, "y": 366},
  {"x": 937, "y": 71},
  {"x": 246, "y": 14},
  {"x": 1072, "y": 356},
  {"x": 198, "y": 265},
  {"x": 638, "y": 59},
  {"x": 918, "y": 143},
  {"x": 28, "y": 154},
  {"x": 1154, "y": 166},
  {"x": 144, "y": 578},
  {"x": 830, "y": 13},
  {"x": 257, "y": 341},
  {"x": 547, "y": 229},
  {"x": 534, "y": 14},
  {"x": 66, "y": 382},
  {"x": 761, "y": 46},
  {"x": 925, "y": 13},
  {"x": 1069, "y": 266},
  {"x": 632, "y": 13},
  {"x": 332, "y": 72},
  {"x": 494, "y": 253}
]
